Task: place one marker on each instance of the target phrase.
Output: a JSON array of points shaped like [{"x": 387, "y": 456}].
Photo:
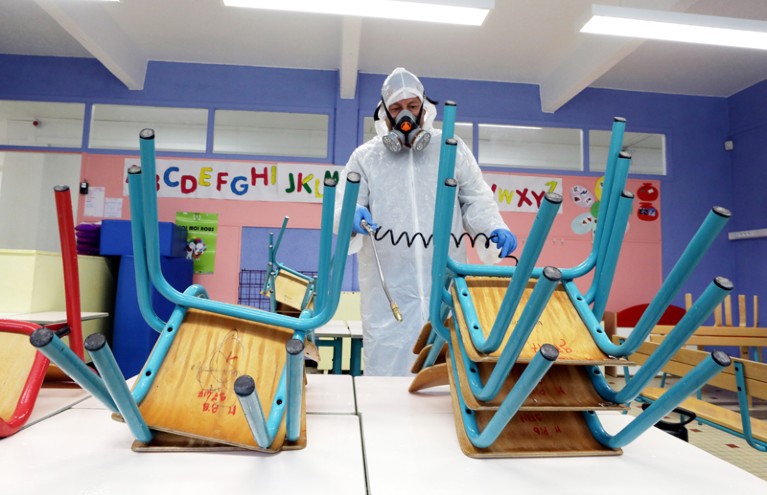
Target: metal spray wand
[{"x": 394, "y": 308}]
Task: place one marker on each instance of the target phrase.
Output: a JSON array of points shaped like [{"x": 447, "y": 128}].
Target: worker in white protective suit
[{"x": 398, "y": 170}]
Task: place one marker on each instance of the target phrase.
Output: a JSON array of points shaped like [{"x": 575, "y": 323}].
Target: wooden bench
[
  {"x": 750, "y": 340},
  {"x": 748, "y": 379}
]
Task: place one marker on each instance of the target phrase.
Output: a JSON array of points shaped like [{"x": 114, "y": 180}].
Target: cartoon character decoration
[
  {"x": 586, "y": 223},
  {"x": 194, "y": 248},
  {"x": 646, "y": 195},
  {"x": 581, "y": 196}
]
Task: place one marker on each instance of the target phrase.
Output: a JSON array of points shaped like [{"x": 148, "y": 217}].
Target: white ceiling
[{"x": 523, "y": 41}]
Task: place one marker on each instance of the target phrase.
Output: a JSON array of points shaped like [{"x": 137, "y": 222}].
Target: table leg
[{"x": 355, "y": 360}]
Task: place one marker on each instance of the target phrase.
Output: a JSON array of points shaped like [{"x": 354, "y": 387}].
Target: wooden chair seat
[
  {"x": 530, "y": 433},
  {"x": 559, "y": 324},
  {"x": 566, "y": 387},
  {"x": 193, "y": 391}
]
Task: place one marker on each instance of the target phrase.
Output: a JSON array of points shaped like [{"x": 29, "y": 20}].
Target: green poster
[{"x": 201, "y": 233}]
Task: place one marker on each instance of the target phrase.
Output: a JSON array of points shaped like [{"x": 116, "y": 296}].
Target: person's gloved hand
[
  {"x": 504, "y": 240},
  {"x": 362, "y": 213}
]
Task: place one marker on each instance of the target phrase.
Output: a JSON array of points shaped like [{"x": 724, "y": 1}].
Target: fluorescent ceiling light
[
  {"x": 468, "y": 12},
  {"x": 677, "y": 26}
]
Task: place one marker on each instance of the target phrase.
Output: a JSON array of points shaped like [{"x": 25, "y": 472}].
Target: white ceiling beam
[
  {"x": 350, "y": 56},
  {"x": 582, "y": 66},
  {"x": 591, "y": 57},
  {"x": 91, "y": 25}
]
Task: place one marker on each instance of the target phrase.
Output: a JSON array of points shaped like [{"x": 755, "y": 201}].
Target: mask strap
[{"x": 388, "y": 115}]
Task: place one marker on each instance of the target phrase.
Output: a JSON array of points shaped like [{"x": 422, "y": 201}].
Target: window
[
  {"x": 27, "y": 202},
  {"x": 41, "y": 123},
  {"x": 648, "y": 151},
  {"x": 176, "y": 129},
  {"x": 530, "y": 147},
  {"x": 271, "y": 133}
]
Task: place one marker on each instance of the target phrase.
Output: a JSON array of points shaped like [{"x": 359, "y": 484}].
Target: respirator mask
[{"x": 405, "y": 131}]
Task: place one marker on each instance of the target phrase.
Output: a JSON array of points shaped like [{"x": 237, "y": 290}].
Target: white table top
[
  {"x": 355, "y": 328},
  {"x": 423, "y": 451},
  {"x": 333, "y": 328},
  {"x": 410, "y": 446},
  {"x": 51, "y": 401},
  {"x": 389, "y": 394},
  {"x": 52, "y": 317},
  {"x": 325, "y": 394},
  {"x": 330, "y": 394},
  {"x": 83, "y": 451}
]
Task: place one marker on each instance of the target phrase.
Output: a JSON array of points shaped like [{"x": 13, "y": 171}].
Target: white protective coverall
[{"x": 399, "y": 189}]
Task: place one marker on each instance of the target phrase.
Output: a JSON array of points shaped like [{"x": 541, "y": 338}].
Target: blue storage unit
[
  {"x": 132, "y": 338},
  {"x": 116, "y": 239}
]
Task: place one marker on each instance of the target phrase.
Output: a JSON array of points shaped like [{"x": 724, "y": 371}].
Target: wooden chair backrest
[
  {"x": 726, "y": 309},
  {"x": 686, "y": 359}
]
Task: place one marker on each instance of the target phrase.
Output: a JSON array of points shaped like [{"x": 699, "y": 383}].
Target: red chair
[
  {"x": 629, "y": 317},
  {"x": 21, "y": 354}
]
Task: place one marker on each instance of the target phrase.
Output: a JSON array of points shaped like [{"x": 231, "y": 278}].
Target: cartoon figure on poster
[
  {"x": 201, "y": 233},
  {"x": 194, "y": 248}
]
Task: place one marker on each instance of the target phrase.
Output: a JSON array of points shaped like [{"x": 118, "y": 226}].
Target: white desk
[
  {"x": 53, "y": 317},
  {"x": 330, "y": 394},
  {"x": 375, "y": 394},
  {"x": 332, "y": 329},
  {"x": 51, "y": 401},
  {"x": 419, "y": 453},
  {"x": 83, "y": 451}
]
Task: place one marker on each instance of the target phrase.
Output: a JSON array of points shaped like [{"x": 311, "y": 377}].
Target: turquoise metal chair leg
[
  {"x": 533, "y": 247},
  {"x": 143, "y": 292},
  {"x": 745, "y": 412},
  {"x": 527, "y": 321},
  {"x": 309, "y": 319},
  {"x": 530, "y": 378},
  {"x": 338, "y": 358},
  {"x": 436, "y": 347},
  {"x": 46, "y": 341},
  {"x": 606, "y": 269},
  {"x": 609, "y": 219},
  {"x": 693, "y": 253},
  {"x": 699, "y": 375},
  {"x": 295, "y": 365},
  {"x": 264, "y": 429},
  {"x": 695, "y": 316},
  {"x": 97, "y": 346},
  {"x": 245, "y": 388}
]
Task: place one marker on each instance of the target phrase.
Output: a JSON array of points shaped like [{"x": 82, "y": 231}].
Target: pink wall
[
  {"x": 107, "y": 171},
  {"x": 639, "y": 272}
]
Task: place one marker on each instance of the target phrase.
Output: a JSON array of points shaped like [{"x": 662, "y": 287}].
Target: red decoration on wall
[
  {"x": 647, "y": 192},
  {"x": 647, "y": 212}
]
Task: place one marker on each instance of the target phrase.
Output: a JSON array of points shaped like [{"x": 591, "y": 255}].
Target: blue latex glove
[
  {"x": 504, "y": 240},
  {"x": 362, "y": 213}
]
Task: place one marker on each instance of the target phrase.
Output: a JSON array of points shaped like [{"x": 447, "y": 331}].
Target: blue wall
[
  {"x": 700, "y": 173},
  {"x": 748, "y": 129}
]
